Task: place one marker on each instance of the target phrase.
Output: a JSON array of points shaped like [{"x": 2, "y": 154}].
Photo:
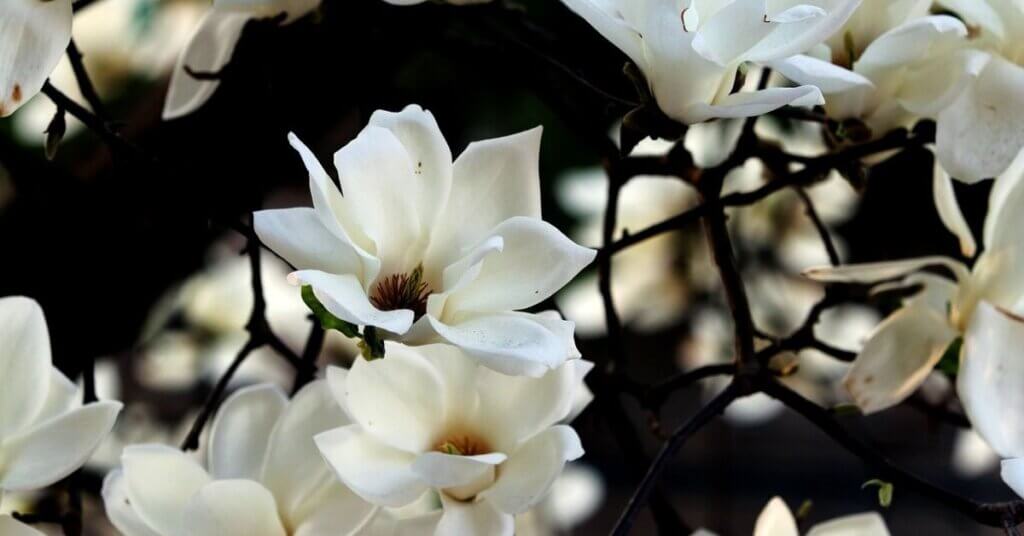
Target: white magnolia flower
[
  {"x": 263, "y": 475},
  {"x": 457, "y": 248},
  {"x": 691, "y": 50},
  {"x": 777, "y": 520},
  {"x": 981, "y": 133},
  {"x": 33, "y": 37},
  {"x": 45, "y": 434},
  {"x": 978, "y": 304},
  {"x": 213, "y": 44},
  {"x": 430, "y": 417}
]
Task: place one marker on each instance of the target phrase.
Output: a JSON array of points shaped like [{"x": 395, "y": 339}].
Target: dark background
[{"x": 97, "y": 237}]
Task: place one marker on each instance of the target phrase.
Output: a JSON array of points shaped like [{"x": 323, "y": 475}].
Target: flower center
[
  {"x": 402, "y": 291},
  {"x": 463, "y": 445}
]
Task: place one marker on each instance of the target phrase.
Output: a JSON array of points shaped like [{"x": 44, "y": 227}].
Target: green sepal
[
  {"x": 950, "y": 362},
  {"x": 372, "y": 346},
  {"x": 885, "y": 490},
  {"x": 327, "y": 320}
]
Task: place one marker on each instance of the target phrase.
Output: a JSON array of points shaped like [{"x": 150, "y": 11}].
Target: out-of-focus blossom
[
  {"x": 33, "y": 37},
  {"x": 430, "y": 250},
  {"x": 213, "y": 44},
  {"x": 972, "y": 457},
  {"x": 777, "y": 520},
  {"x": 263, "y": 475},
  {"x": 575, "y": 495},
  {"x": 431, "y": 418},
  {"x": 691, "y": 51},
  {"x": 45, "y": 432}
]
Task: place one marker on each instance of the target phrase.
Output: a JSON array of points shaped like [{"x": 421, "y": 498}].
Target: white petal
[
  {"x": 775, "y": 520},
  {"x": 33, "y": 37},
  {"x": 510, "y": 343},
  {"x": 1006, "y": 208},
  {"x": 376, "y": 472},
  {"x": 897, "y": 357},
  {"x": 474, "y": 518},
  {"x": 866, "y": 524},
  {"x": 294, "y": 468},
  {"x": 158, "y": 499},
  {"x": 238, "y": 436},
  {"x": 611, "y": 26},
  {"x": 209, "y": 50},
  {"x": 725, "y": 36},
  {"x": 299, "y": 236},
  {"x": 269, "y": 8},
  {"x": 828, "y": 77},
  {"x": 949, "y": 211},
  {"x": 240, "y": 507},
  {"x": 751, "y": 103},
  {"x": 981, "y": 133},
  {"x": 804, "y": 32},
  {"x": 344, "y": 296},
  {"x": 528, "y": 474},
  {"x": 442, "y": 470},
  {"x": 910, "y": 42},
  {"x": 334, "y": 511},
  {"x": 493, "y": 180},
  {"x": 25, "y": 360},
  {"x": 1012, "y": 472},
  {"x": 55, "y": 448},
  {"x": 12, "y": 527},
  {"x": 536, "y": 261},
  {"x": 874, "y": 272},
  {"x": 61, "y": 396},
  {"x": 980, "y": 13},
  {"x": 119, "y": 509},
  {"x": 989, "y": 382}
]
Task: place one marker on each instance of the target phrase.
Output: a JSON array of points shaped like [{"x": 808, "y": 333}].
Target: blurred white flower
[
  {"x": 777, "y": 520},
  {"x": 45, "y": 432},
  {"x": 691, "y": 51},
  {"x": 213, "y": 44},
  {"x": 430, "y": 417},
  {"x": 574, "y": 496},
  {"x": 263, "y": 475},
  {"x": 33, "y": 37},
  {"x": 972, "y": 457},
  {"x": 427, "y": 249}
]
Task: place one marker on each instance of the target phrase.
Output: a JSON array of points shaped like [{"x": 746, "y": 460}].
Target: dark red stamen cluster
[{"x": 402, "y": 291}]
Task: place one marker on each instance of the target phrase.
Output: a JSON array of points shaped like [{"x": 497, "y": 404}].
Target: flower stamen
[{"x": 402, "y": 291}]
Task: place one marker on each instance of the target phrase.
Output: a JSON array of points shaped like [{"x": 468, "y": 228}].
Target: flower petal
[
  {"x": 875, "y": 272},
  {"x": 530, "y": 471},
  {"x": 897, "y": 357},
  {"x": 344, "y": 296},
  {"x": 334, "y": 511},
  {"x": 299, "y": 236},
  {"x": 751, "y": 103},
  {"x": 811, "y": 71},
  {"x": 209, "y": 50},
  {"x": 1012, "y": 471},
  {"x": 949, "y": 211},
  {"x": 376, "y": 472},
  {"x": 268, "y": 8},
  {"x": 12, "y": 527},
  {"x": 776, "y": 520},
  {"x": 493, "y": 180},
  {"x": 442, "y": 470},
  {"x": 25, "y": 360},
  {"x": 119, "y": 509},
  {"x": 478, "y": 517},
  {"x": 980, "y": 13},
  {"x": 232, "y": 507},
  {"x": 806, "y": 30},
  {"x": 866, "y": 524},
  {"x": 535, "y": 262},
  {"x": 158, "y": 500},
  {"x": 239, "y": 434},
  {"x": 33, "y": 37},
  {"x": 55, "y": 448},
  {"x": 511, "y": 343},
  {"x": 1006, "y": 208},
  {"x": 61, "y": 396},
  {"x": 989, "y": 382}
]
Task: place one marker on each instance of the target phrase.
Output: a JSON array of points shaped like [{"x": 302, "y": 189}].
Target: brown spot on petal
[
  {"x": 16, "y": 93},
  {"x": 868, "y": 379}
]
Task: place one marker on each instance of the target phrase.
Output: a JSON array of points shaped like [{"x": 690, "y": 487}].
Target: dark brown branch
[{"x": 819, "y": 225}]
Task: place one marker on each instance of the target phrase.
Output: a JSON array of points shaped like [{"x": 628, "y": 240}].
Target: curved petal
[
  {"x": 12, "y": 527},
  {"x": 898, "y": 357},
  {"x": 980, "y": 13},
  {"x": 61, "y": 397},
  {"x": 294, "y": 468},
  {"x": 989, "y": 382},
  {"x": 866, "y": 524},
  {"x": 53, "y": 449},
  {"x": 209, "y": 50},
  {"x": 479, "y": 517},
  {"x": 776, "y": 520},
  {"x": 826, "y": 76},
  {"x": 1006, "y": 208},
  {"x": 911, "y": 41},
  {"x": 376, "y": 472},
  {"x": 1012, "y": 471},
  {"x": 806, "y": 28},
  {"x": 239, "y": 434},
  {"x": 875, "y": 272},
  {"x": 510, "y": 343},
  {"x": 25, "y": 360},
  {"x": 298, "y": 236},
  {"x": 119, "y": 509},
  {"x": 980, "y": 134},
  {"x": 949, "y": 211},
  {"x": 399, "y": 400},
  {"x": 335, "y": 511},
  {"x": 442, "y": 470},
  {"x": 536, "y": 261},
  {"x": 729, "y": 33},
  {"x": 158, "y": 500},
  {"x": 33, "y": 37},
  {"x": 528, "y": 474},
  {"x": 344, "y": 296},
  {"x": 493, "y": 180},
  {"x": 751, "y": 103},
  {"x": 232, "y": 507}
]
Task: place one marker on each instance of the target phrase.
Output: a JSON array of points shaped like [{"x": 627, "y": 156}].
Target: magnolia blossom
[
  {"x": 45, "y": 434},
  {"x": 978, "y": 304},
  {"x": 213, "y": 44},
  {"x": 33, "y": 37},
  {"x": 427, "y": 249},
  {"x": 430, "y": 417},
  {"x": 263, "y": 475},
  {"x": 691, "y": 51},
  {"x": 777, "y": 520}
]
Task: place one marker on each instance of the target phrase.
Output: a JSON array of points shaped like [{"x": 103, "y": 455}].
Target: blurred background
[{"x": 135, "y": 267}]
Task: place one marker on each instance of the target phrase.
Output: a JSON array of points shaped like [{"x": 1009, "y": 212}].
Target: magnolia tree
[{"x": 410, "y": 335}]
